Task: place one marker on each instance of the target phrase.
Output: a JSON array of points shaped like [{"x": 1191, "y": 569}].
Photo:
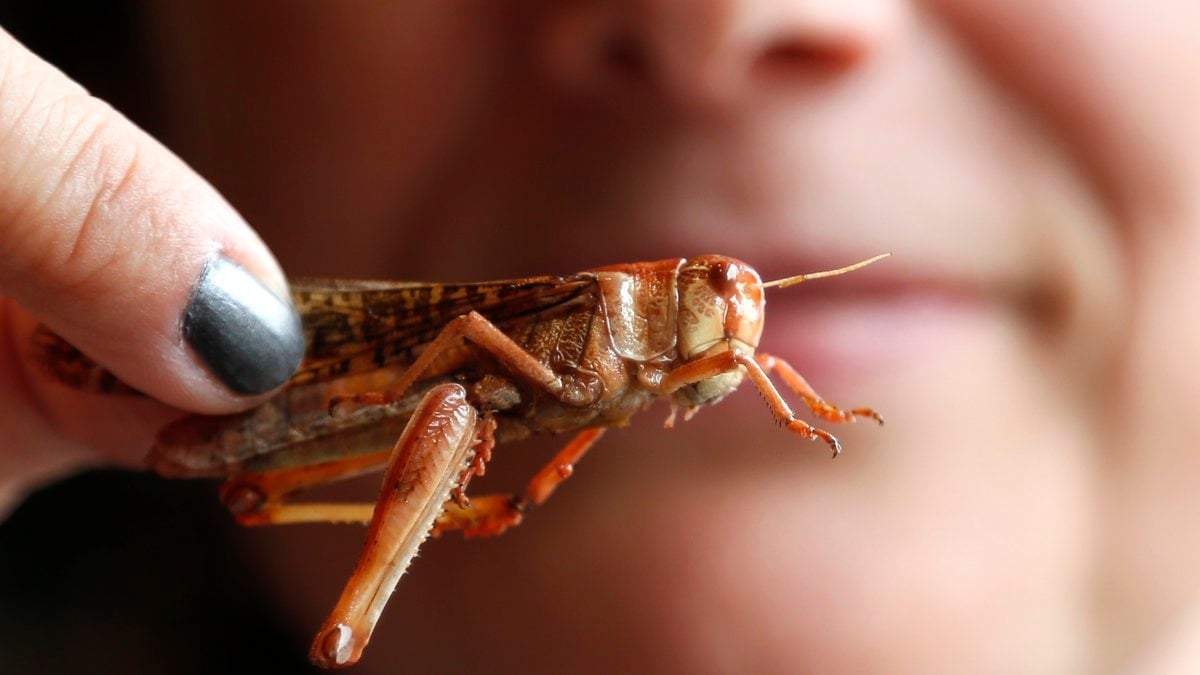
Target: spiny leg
[
  {"x": 491, "y": 515},
  {"x": 486, "y": 516},
  {"x": 425, "y": 466},
  {"x": 710, "y": 366},
  {"x": 819, "y": 406},
  {"x": 485, "y": 441}
]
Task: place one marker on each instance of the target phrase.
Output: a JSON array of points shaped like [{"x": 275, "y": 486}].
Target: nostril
[
  {"x": 800, "y": 57},
  {"x": 624, "y": 57},
  {"x": 707, "y": 54},
  {"x": 594, "y": 50}
]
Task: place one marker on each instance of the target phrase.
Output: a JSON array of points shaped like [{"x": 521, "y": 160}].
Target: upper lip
[
  {"x": 971, "y": 269},
  {"x": 887, "y": 277}
]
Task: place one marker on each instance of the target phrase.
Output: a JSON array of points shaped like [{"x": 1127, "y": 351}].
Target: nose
[{"x": 713, "y": 52}]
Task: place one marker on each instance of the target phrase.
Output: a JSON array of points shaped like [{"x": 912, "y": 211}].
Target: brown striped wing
[
  {"x": 358, "y": 332},
  {"x": 357, "y": 326},
  {"x": 361, "y": 335}
]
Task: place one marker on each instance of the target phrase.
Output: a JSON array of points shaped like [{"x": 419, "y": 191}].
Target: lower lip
[{"x": 858, "y": 337}]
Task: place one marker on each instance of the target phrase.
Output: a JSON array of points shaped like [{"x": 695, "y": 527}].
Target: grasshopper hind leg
[
  {"x": 427, "y": 464},
  {"x": 434, "y": 455}
]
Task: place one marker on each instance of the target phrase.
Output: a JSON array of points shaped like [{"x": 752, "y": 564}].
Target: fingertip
[
  {"x": 122, "y": 249},
  {"x": 249, "y": 338}
]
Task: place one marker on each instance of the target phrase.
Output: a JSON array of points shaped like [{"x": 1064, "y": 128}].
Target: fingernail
[{"x": 250, "y": 338}]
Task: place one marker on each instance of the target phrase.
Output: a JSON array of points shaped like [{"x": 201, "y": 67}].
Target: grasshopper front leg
[
  {"x": 728, "y": 361},
  {"x": 819, "y": 406}
]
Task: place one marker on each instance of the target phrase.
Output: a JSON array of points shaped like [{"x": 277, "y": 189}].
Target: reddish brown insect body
[{"x": 451, "y": 370}]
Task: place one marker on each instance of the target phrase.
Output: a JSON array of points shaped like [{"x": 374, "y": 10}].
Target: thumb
[{"x": 119, "y": 247}]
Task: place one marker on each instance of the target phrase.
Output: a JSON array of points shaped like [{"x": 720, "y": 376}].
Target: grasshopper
[{"x": 451, "y": 370}]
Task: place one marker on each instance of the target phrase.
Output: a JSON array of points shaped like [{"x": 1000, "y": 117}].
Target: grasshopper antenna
[{"x": 801, "y": 278}]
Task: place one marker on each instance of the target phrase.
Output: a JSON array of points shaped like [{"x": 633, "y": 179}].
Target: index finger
[{"x": 119, "y": 247}]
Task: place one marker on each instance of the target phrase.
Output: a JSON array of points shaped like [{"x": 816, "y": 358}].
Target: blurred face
[{"x": 1032, "y": 341}]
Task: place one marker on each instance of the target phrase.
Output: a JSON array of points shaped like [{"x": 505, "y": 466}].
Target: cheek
[{"x": 1073, "y": 66}]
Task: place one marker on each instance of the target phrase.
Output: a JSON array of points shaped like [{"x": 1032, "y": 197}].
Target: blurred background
[{"x": 1032, "y": 341}]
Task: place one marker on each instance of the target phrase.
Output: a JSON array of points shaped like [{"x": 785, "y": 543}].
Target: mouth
[{"x": 870, "y": 323}]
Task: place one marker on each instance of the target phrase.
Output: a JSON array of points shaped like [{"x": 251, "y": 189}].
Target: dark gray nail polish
[{"x": 249, "y": 338}]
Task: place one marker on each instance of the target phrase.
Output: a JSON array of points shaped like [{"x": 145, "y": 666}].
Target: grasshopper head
[{"x": 720, "y": 307}]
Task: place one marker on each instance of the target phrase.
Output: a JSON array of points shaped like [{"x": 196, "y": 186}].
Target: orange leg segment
[
  {"x": 260, "y": 498},
  {"x": 819, "y": 406},
  {"x": 491, "y": 515},
  {"x": 707, "y": 367}
]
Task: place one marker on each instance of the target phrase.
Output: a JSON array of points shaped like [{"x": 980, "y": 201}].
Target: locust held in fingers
[{"x": 422, "y": 380}]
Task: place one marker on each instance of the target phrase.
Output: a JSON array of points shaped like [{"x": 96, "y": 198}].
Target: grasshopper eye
[{"x": 723, "y": 278}]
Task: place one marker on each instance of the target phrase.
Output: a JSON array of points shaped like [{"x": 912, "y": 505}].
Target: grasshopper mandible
[{"x": 453, "y": 369}]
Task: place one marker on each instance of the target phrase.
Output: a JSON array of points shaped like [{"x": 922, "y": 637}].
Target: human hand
[{"x": 116, "y": 245}]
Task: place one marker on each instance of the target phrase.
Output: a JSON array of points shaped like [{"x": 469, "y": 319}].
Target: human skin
[{"x": 1032, "y": 342}]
